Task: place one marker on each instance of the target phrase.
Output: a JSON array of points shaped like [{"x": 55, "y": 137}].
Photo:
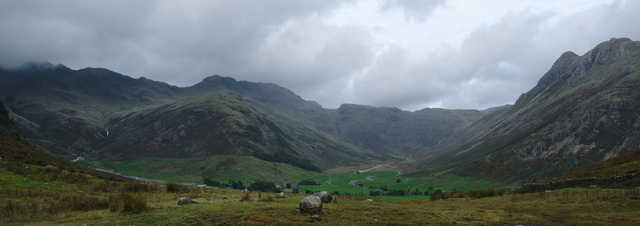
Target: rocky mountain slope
[
  {"x": 104, "y": 115},
  {"x": 585, "y": 109}
]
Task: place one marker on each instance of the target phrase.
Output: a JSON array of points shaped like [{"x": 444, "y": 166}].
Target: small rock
[
  {"x": 267, "y": 208},
  {"x": 221, "y": 197},
  {"x": 315, "y": 218},
  {"x": 368, "y": 200},
  {"x": 311, "y": 204},
  {"x": 547, "y": 191},
  {"x": 281, "y": 195},
  {"x": 51, "y": 167},
  {"x": 593, "y": 186}
]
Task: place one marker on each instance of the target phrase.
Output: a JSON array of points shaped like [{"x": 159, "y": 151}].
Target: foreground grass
[{"x": 583, "y": 207}]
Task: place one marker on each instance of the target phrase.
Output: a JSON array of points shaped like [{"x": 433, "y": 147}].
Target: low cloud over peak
[{"x": 396, "y": 53}]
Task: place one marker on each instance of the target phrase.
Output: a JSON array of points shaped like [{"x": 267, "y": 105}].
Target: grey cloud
[
  {"x": 498, "y": 62},
  {"x": 287, "y": 42},
  {"x": 416, "y": 10}
]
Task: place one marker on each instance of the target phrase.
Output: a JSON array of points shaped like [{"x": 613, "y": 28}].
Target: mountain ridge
[
  {"x": 106, "y": 116},
  {"x": 582, "y": 110}
]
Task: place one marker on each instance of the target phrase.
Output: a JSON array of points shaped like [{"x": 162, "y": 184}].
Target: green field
[
  {"x": 29, "y": 201},
  {"x": 193, "y": 170},
  {"x": 342, "y": 181}
]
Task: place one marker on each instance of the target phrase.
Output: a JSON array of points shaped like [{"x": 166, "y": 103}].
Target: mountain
[
  {"x": 63, "y": 109},
  {"x": 384, "y": 130},
  {"x": 149, "y": 127},
  {"x": 397, "y": 132},
  {"x": 17, "y": 154},
  {"x": 224, "y": 123},
  {"x": 585, "y": 109}
]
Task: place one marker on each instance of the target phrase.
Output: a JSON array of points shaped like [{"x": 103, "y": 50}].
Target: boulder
[
  {"x": 184, "y": 201},
  {"x": 281, "y": 195},
  {"x": 326, "y": 197},
  {"x": 311, "y": 204}
]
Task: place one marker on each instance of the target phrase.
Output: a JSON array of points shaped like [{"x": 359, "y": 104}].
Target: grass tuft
[
  {"x": 246, "y": 196},
  {"x": 128, "y": 202}
]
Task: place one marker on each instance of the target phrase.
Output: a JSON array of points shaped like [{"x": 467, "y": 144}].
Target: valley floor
[{"x": 565, "y": 207}]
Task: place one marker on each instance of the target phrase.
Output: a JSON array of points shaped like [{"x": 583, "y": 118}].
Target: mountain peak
[
  {"x": 559, "y": 67},
  {"x": 38, "y": 66},
  {"x": 607, "y": 52}
]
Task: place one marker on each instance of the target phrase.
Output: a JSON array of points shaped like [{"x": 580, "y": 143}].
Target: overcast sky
[{"x": 396, "y": 53}]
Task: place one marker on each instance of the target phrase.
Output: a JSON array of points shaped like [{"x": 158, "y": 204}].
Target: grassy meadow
[
  {"x": 39, "y": 196},
  {"x": 25, "y": 202}
]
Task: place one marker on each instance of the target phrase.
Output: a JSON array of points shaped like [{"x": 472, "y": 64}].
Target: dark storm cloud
[{"x": 401, "y": 53}]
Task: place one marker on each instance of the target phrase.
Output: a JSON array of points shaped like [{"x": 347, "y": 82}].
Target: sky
[{"x": 409, "y": 54}]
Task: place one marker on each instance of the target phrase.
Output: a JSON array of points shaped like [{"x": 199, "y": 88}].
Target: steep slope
[
  {"x": 585, "y": 109},
  {"x": 621, "y": 165},
  {"x": 63, "y": 110},
  {"x": 109, "y": 117},
  {"x": 68, "y": 111},
  {"x": 387, "y": 131},
  {"x": 396, "y": 132},
  {"x": 17, "y": 154},
  {"x": 223, "y": 123}
]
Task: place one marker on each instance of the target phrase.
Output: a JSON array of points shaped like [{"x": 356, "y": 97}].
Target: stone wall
[{"x": 574, "y": 183}]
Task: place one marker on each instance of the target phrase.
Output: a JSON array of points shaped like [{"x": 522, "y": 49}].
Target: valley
[{"x": 385, "y": 165}]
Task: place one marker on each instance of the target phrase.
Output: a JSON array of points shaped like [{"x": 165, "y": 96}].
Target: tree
[
  {"x": 307, "y": 182},
  {"x": 210, "y": 182},
  {"x": 237, "y": 185},
  {"x": 263, "y": 186}
]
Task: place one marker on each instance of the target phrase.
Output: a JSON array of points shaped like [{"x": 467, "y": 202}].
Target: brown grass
[
  {"x": 246, "y": 196},
  {"x": 128, "y": 202}
]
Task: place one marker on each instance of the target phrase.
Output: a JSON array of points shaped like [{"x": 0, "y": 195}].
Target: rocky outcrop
[{"x": 311, "y": 204}]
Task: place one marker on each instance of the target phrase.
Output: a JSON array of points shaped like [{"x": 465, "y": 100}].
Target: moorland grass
[{"x": 570, "y": 207}]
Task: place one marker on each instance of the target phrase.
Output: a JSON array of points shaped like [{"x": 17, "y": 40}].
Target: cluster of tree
[
  {"x": 231, "y": 184},
  {"x": 288, "y": 159},
  {"x": 263, "y": 186},
  {"x": 384, "y": 190},
  {"x": 481, "y": 193},
  {"x": 307, "y": 182}
]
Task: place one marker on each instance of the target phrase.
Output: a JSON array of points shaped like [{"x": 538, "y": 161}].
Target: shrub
[
  {"x": 307, "y": 182},
  {"x": 210, "y": 182},
  {"x": 177, "y": 188},
  {"x": 128, "y": 202},
  {"x": 265, "y": 197},
  {"x": 246, "y": 196},
  {"x": 52, "y": 204},
  {"x": 263, "y": 186},
  {"x": 140, "y": 187}
]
